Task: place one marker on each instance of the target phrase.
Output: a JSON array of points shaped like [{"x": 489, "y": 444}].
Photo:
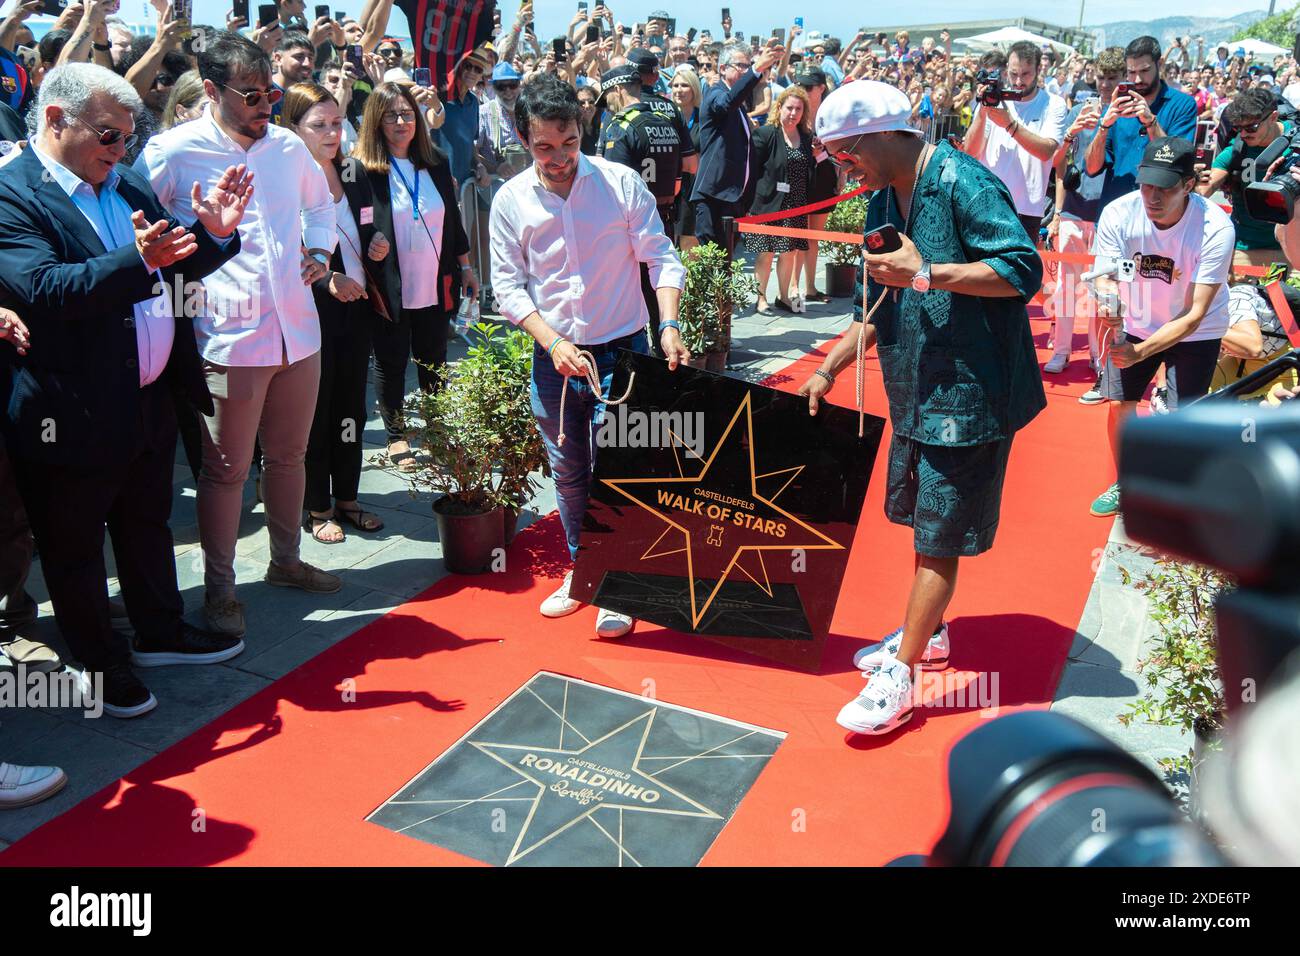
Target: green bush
[
  {"x": 848, "y": 216},
  {"x": 713, "y": 291}
]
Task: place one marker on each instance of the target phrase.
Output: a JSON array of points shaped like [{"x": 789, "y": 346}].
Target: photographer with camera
[
  {"x": 1017, "y": 141},
  {"x": 1165, "y": 300},
  {"x": 1253, "y": 116},
  {"x": 1141, "y": 110}
]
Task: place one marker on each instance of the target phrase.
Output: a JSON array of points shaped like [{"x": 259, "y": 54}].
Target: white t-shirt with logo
[
  {"x": 1026, "y": 176},
  {"x": 1198, "y": 249}
]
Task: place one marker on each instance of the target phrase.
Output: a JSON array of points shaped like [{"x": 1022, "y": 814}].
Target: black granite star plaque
[
  {"x": 722, "y": 508},
  {"x": 567, "y": 773}
]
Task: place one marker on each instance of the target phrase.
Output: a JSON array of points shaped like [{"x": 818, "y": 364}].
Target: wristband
[
  {"x": 102, "y": 47},
  {"x": 551, "y": 350},
  {"x": 465, "y": 268},
  {"x": 669, "y": 324},
  {"x": 826, "y": 375}
]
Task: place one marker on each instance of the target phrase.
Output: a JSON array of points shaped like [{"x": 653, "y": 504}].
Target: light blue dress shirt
[{"x": 110, "y": 216}]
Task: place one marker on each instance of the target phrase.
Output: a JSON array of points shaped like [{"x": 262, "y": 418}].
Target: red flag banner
[{"x": 443, "y": 31}]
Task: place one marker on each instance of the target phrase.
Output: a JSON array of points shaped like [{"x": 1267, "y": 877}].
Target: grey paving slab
[
  {"x": 317, "y": 635},
  {"x": 91, "y": 760}
]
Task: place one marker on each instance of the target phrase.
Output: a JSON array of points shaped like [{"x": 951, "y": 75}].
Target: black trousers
[
  {"x": 422, "y": 333},
  {"x": 709, "y": 213},
  {"x": 69, "y": 505},
  {"x": 334, "y": 446},
  {"x": 1033, "y": 225},
  {"x": 15, "y": 546}
]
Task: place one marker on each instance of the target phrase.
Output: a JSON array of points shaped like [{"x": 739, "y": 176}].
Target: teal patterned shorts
[{"x": 951, "y": 496}]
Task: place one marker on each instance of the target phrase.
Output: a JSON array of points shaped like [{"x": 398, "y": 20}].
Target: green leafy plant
[
  {"x": 848, "y": 216},
  {"x": 1181, "y": 671},
  {"x": 714, "y": 289},
  {"x": 478, "y": 429},
  {"x": 1278, "y": 29}
]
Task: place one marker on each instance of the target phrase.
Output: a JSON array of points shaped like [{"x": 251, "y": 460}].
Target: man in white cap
[{"x": 948, "y": 319}]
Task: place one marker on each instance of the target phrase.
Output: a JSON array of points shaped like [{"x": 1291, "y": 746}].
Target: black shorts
[
  {"x": 1189, "y": 369},
  {"x": 950, "y": 496}
]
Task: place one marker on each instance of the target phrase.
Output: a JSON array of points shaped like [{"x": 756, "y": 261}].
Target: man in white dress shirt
[
  {"x": 568, "y": 237},
  {"x": 258, "y": 331}
]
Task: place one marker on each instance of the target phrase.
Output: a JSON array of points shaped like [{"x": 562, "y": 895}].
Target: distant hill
[{"x": 1214, "y": 29}]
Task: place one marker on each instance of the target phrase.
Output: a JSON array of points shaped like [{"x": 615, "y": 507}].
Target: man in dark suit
[
  {"x": 725, "y": 174},
  {"x": 92, "y": 264}
]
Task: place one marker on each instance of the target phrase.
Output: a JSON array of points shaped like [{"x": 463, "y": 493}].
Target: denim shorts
[{"x": 950, "y": 496}]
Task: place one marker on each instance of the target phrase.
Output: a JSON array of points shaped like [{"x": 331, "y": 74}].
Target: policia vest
[{"x": 647, "y": 140}]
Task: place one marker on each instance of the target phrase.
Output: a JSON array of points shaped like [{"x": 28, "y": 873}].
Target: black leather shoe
[
  {"x": 188, "y": 646},
  {"x": 124, "y": 695}
]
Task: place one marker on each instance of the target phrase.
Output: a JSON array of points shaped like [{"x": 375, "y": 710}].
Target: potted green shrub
[
  {"x": 481, "y": 445},
  {"x": 1181, "y": 670},
  {"x": 714, "y": 289},
  {"x": 845, "y": 258}
]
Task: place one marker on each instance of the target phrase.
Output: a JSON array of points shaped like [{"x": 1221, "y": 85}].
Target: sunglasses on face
[
  {"x": 506, "y": 87},
  {"x": 389, "y": 52},
  {"x": 165, "y": 80},
  {"x": 110, "y": 136},
  {"x": 253, "y": 98},
  {"x": 844, "y": 157},
  {"x": 1253, "y": 127}
]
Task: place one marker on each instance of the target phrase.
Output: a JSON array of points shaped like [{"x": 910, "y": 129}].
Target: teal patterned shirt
[{"x": 958, "y": 369}]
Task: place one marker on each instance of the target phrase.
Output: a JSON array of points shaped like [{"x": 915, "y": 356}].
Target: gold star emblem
[{"x": 727, "y": 491}]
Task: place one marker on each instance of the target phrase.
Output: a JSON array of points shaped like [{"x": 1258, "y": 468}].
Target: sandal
[
  {"x": 815, "y": 296},
  {"x": 315, "y": 524},
  {"x": 403, "y": 460},
  {"x": 359, "y": 518}
]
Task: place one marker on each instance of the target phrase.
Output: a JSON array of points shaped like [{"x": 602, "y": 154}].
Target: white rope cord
[
  {"x": 593, "y": 380},
  {"x": 861, "y": 364}
]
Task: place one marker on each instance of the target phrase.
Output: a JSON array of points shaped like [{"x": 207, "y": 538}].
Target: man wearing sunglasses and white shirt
[{"x": 259, "y": 332}]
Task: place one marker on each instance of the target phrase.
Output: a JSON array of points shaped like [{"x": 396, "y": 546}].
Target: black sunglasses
[
  {"x": 252, "y": 98},
  {"x": 110, "y": 136},
  {"x": 391, "y": 51},
  {"x": 507, "y": 87}
]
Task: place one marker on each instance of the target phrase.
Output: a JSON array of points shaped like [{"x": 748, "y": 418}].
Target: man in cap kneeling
[{"x": 948, "y": 319}]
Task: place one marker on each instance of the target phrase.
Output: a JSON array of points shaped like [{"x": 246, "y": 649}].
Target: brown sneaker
[
  {"x": 224, "y": 616},
  {"x": 303, "y": 576}
]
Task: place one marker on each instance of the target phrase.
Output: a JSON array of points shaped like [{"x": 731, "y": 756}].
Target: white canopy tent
[
  {"x": 1257, "y": 48},
  {"x": 1008, "y": 35}
]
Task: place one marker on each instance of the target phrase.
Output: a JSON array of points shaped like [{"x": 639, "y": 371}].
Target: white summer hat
[{"x": 864, "y": 106}]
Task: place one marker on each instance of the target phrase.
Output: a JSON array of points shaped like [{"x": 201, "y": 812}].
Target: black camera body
[
  {"x": 1273, "y": 199},
  {"x": 991, "y": 92}
]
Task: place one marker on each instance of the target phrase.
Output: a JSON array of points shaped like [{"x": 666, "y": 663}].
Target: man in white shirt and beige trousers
[
  {"x": 568, "y": 237},
  {"x": 258, "y": 330}
]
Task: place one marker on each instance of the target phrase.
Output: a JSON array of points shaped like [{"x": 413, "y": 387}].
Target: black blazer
[
  {"x": 81, "y": 372},
  {"x": 771, "y": 166},
  {"x": 360, "y": 195},
  {"x": 724, "y": 143},
  {"x": 451, "y": 244}
]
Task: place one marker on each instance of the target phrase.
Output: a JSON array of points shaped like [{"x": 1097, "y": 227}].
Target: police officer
[{"x": 649, "y": 142}]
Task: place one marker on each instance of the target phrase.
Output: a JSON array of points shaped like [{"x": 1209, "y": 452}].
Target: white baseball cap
[{"x": 864, "y": 106}]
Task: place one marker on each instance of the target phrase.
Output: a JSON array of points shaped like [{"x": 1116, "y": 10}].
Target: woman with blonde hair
[
  {"x": 185, "y": 102},
  {"x": 783, "y": 163},
  {"x": 414, "y": 203},
  {"x": 687, "y": 95}
]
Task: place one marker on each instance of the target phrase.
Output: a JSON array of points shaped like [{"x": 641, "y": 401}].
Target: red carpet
[{"x": 288, "y": 776}]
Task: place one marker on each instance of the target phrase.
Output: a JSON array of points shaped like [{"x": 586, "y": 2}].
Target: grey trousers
[{"x": 275, "y": 404}]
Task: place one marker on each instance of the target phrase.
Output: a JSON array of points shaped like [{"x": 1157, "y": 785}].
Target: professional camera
[
  {"x": 991, "y": 92},
  {"x": 1029, "y": 789},
  {"x": 1273, "y": 199}
]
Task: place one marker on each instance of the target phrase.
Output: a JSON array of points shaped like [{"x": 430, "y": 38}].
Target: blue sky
[{"x": 758, "y": 16}]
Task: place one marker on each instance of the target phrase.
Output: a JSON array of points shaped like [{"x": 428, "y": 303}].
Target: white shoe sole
[
  {"x": 878, "y": 731},
  {"x": 617, "y": 630},
  {"x": 126, "y": 713},
  {"x": 930, "y": 665},
  {"x": 176, "y": 657},
  {"x": 59, "y": 782},
  {"x": 554, "y": 611}
]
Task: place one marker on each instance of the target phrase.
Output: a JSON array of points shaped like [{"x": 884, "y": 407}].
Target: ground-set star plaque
[
  {"x": 570, "y": 773},
  {"x": 722, "y": 508}
]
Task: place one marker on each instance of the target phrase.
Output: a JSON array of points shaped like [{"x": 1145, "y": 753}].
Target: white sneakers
[
  {"x": 22, "y": 786},
  {"x": 934, "y": 658},
  {"x": 560, "y": 604},
  {"x": 608, "y": 623},
  {"x": 1057, "y": 363},
  {"x": 884, "y": 705}
]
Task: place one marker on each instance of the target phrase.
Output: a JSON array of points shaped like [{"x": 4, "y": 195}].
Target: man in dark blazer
[
  {"x": 100, "y": 276},
  {"x": 725, "y": 171}
]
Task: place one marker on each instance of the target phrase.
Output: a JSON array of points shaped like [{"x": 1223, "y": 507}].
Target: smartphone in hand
[
  {"x": 267, "y": 13},
  {"x": 239, "y": 10},
  {"x": 561, "y": 50},
  {"x": 882, "y": 240},
  {"x": 422, "y": 77}
]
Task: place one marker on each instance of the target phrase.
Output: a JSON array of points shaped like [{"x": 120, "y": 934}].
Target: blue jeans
[{"x": 572, "y": 465}]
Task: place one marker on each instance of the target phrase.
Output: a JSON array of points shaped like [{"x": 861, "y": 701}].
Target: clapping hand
[
  {"x": 159, "y": 246},
  {"x": 223, "y": 208}
]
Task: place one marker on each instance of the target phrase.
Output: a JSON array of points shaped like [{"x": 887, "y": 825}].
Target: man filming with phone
[
  {"x": 1142, "y": 109},
  {"x": 1017, "y": 128}
]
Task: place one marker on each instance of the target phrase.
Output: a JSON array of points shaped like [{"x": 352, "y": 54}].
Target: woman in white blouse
[
  {"x": 349, "y": 313},
  {"x": 415, "y": 203}
]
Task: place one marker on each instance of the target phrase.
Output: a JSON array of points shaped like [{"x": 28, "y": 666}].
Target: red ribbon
[{"x": 801, "y": 210}]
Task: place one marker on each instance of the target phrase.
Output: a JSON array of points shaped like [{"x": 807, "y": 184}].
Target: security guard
[
  {"x": 653, "y": 89},
  {"x": 645, "y": 140}
]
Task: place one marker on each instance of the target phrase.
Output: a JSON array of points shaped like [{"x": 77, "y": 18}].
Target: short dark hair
[
  {"x": 546, "y": 98},
  {"x": 993, "y": 60},
  {"x": 52, "y": 43},
  {"x": 1252, "y": 104},
  {"x": 226, "y": 55},
  {"x": 1143, "y": 46},
  {"x": 1026, "y": 51},
  {"x": 294, "y": 40},
  {"x": 832, "y": 46},
  {"x": 173, "y": 64}
]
